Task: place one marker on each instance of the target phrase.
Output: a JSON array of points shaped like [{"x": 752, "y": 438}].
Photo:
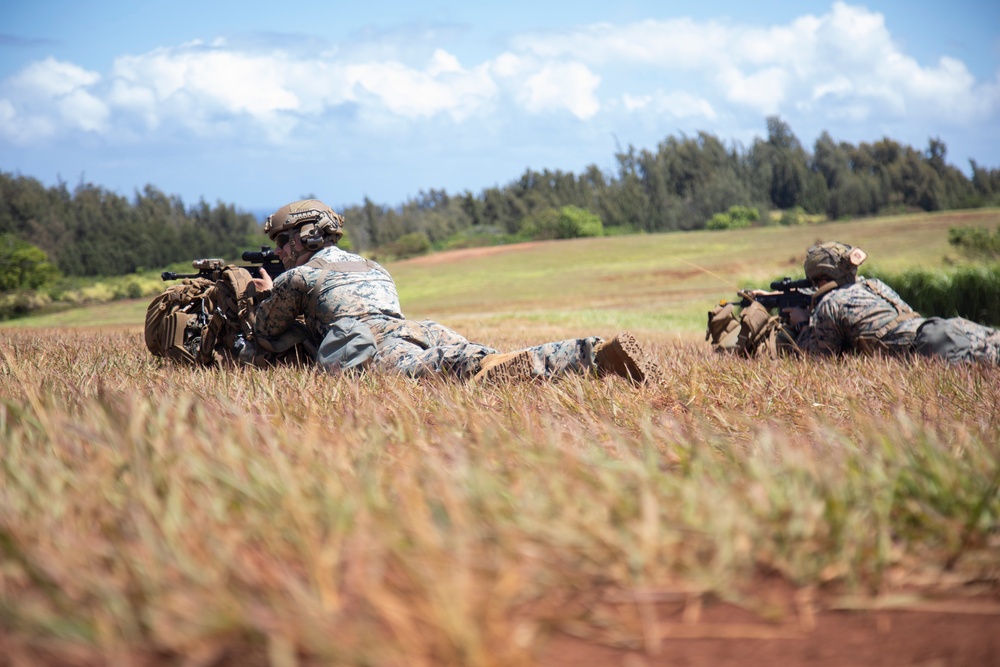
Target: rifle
[
  {"x": 260, "y": 260},
  {"x": 753, "y": 328},
  {"x": 789, "y": 294}
]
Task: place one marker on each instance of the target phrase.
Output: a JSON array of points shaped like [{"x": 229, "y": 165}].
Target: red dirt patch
[
  {"x": 840, "y": 638},
  {"x": 955, "y": 632}
]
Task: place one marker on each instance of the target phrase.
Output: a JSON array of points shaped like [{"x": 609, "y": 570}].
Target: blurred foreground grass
[{"x": 242, "y": 516}]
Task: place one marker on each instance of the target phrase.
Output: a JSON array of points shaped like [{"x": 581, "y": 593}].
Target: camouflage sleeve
[
  {"x": 804, "y": 341},
  {"x": 826, "y": 335},
  {"x": 276, "y": 313}
]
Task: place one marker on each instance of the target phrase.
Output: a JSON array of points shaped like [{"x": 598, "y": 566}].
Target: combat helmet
[
  {"x": 317, "y": 223},
  {"x": 834, "y": 261}
]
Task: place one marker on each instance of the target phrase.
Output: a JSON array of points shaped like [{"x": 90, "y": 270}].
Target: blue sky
[{"x": 257, "y": 104}]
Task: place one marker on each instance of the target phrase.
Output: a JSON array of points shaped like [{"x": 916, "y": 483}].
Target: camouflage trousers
[
  {"x": 958, "y": 340},
  {"x": 419, "y": 349}
]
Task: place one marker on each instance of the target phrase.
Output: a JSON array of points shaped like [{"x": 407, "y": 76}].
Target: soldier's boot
[
  {"x": 623, "y": 355},
  {"x": 506, "y": 367}
]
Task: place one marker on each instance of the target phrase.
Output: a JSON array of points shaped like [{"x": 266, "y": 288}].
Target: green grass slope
[{"x": 660, "y": 285}]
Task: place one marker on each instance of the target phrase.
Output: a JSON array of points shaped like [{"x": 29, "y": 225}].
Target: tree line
[
  {"x": 90, "y": 231},
  {"x": 687, "y": 180},
  {"x": 681, "y": 185}
]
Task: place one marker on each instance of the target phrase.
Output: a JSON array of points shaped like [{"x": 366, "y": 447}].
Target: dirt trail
[{"x": 937, "y": 633}]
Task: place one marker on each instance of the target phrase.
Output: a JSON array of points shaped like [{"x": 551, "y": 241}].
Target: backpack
[
  {"x": 177, "y": 318},
  {"x": 209, "y": 320},
  {"x": 204, "y": 320},
  {"x": 744, "y": 333},
  {"x": 230, "y": 324},
  {"x": 723, "y": 327},
  {"x": 758, "y": 330}
]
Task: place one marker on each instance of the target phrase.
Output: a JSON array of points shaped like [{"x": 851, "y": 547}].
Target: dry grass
[{"x": 153, "y": 514}]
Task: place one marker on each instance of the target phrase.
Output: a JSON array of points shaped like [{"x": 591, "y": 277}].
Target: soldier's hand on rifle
[
  {"x": 796, "y": 316},
  {"x": 263, "y": 283}
]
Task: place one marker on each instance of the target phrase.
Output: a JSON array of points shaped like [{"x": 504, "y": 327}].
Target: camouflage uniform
[
  {"x": 867, "y": 315},
  {"x": 359, "y": 290}
]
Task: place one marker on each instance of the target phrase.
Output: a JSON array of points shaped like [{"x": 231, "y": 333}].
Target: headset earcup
[{"x": 311, "y": 236}]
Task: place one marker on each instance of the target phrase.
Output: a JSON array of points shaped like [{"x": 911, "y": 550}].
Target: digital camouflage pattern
[
  {"x": 413, "y": 348},
  {"x": 858, "y": 318},
  {"x": 868, "y": 316},
  {"x": 958, "y": 340}
]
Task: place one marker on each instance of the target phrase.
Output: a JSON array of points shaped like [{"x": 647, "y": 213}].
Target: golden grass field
[{"x": 759, "y": 511}]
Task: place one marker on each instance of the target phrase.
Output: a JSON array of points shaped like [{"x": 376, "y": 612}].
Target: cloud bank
[
  {"x": 269, "y": 117},
  {"x": 843, "y": 64}
]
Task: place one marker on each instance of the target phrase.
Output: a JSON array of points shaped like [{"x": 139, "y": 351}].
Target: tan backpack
[
  {"x": 758, "y": 330},
  {"x": 745, "y": 333},
  {"x": 230, "y": 324},
  {"x": 204, "y": 320},
  {"x": 723, "y": 328},
  {"x": 177, "y": 318},
  {"x": 209, "y": 320}
]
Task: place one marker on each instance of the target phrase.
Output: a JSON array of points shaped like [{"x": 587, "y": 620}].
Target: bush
[
  {"x": 409, "y": 245},
  {"x": 130, "y": 288},
  {"x": 737, "y": 217},
  {"x": 976, "y": 241},
  {"x": 575, "y": 222},
  {"x": 793, "y": 217},
  {"x": 19, "y": 303},
  {"x": 969, "y": 292},
  {"x": 568, "y": 222},
  {"x": 23, "y": 266}
]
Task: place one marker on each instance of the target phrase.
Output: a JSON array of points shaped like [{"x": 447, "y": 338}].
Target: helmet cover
[
  {"x": 318, "y": 221},
  {"x": 834, "y": 261}
]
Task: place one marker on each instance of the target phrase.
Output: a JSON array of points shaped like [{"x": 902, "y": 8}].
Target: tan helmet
[
  {"x": 317, "y": 223},
  {"x": 834, "y": 261}
]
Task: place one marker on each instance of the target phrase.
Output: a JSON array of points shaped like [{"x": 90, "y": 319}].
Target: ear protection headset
[{"x": 311, "y": 236}]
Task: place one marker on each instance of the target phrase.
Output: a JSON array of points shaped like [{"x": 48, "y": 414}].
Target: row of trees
[
  {"x": 687, "y": 180},
  {"x": 686, "y": 183},
  {"x": 93, "y": 232}
]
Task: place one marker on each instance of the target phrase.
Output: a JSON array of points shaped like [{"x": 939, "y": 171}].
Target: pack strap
[
  {"x": 821, "y": 292},
  {"x": 903, "y": 310},
  {"x": 344, "y": 267}
]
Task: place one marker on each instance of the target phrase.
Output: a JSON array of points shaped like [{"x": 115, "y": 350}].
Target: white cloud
[
  {"x": 764, "y": 90},
  {"x": 846, "y": 57},
  {"x": 843, "y": 64},
  {"x": 198, "y": 81},
  {"x": 443, "y": 62},
  {"x": 49, "y": 97},
  {"x": 677, "y": 43},
  {"x": 52, "y": 78},
  {"x": 678, "y": 104},
  {"x": 509, "y": 65},
  {"x": 83, "y": 110},
  {"x": 443, "y": 87},
  {"x": 568, "y": 86},
  {"x": 233, "y": 83}
]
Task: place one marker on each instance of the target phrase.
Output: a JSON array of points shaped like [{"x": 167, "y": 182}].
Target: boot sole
[{"x": 625, "y": 356}]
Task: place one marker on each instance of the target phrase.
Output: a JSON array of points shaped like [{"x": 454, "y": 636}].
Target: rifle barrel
[{"x": 170, "y": 275}]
